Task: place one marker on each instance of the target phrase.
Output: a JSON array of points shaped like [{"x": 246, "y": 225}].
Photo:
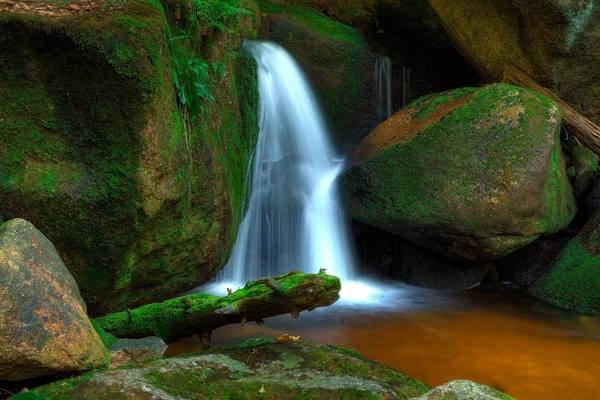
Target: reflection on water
[{"x": 505, "y": 340}]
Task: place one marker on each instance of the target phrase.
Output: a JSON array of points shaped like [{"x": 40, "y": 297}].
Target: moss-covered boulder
[
  {"x": 464, "y": 390},
  {"x": 554, "y": 41},
  {"x": 259, "y": 369},
  {"x": 44, "y": 328},
  {"x": 93, "y": 150},
  {"x": 573, "y": 281},
  {"x": 472, "y": 173},
  {"x": 337, "y": 62}
]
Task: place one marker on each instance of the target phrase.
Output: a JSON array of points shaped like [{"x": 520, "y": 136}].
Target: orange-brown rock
[{"x": 44, "y": 328}]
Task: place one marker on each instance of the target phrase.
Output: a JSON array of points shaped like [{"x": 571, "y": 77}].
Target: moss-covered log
[{"x": 202, "y": 313}]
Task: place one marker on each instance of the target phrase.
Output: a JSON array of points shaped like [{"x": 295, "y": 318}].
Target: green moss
[
  {"x": 95, "y": 151},
  {"x": 573, "y": 282},
  {"x": 29, "y": 396},
  {"x": 255, "y": 342},
  {"x": 70, "y": 125},
  {"x": 458, "y": 174},
  {"x": 314, "y": 20},
  {"x": 159, "y": 319},
  {"x": 106, "y": 337}
]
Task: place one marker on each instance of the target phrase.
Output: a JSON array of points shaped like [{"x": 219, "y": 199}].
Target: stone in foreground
[
  {"x": 258, "y": 369},
  {"x": 464, "y": 390},
  {"x": 44, "y": 328},
  {"x": 133, "y": 351},
  {"x": 471, "y": 173}
]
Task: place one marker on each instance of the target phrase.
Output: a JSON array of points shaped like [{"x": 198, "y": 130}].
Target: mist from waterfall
[
  {"x": 294, "y": 218},
  {"x": 383, "y": 85}
]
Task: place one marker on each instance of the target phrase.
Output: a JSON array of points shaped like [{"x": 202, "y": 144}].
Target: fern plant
[
  {"x": 213, "y": 14},
  {"x": 193, "y": 76}
]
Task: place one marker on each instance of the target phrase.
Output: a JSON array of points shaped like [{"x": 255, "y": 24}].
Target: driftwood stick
[
  {"x": 583, "y": 129},
  {"x": 202, "y": 313}
]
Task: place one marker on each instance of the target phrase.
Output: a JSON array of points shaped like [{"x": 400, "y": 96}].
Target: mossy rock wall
[
  {"x": 472, "y": 173},
  {"x": 412, "y": 20},
  {"x": 555, "y": 41},
  {"x": 93, "y": 150},
  {"x": 337, "y": 62}
]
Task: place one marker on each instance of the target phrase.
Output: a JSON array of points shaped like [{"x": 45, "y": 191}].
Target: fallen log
[
  {"x": 582, "y": 128},
  {"x": 202, "y": 313}
]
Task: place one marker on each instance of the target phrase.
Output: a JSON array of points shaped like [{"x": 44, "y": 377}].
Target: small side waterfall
[
  {"x": 405, "y": 85},
  {"x": 294, "y": 219},
  {"x": 383, "y": 83}
]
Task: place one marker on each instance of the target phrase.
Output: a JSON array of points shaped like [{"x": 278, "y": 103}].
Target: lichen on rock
[
  {"x": 464, "y": 390},
  {"x": 44, "y": 328}
]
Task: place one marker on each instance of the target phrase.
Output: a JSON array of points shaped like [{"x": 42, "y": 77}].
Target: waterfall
[
  {"x": 294, "y": 218},
  {"x": 383, "y": 83}
]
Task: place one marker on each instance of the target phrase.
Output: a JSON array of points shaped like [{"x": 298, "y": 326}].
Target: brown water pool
[{"x": 506, "y": 340}]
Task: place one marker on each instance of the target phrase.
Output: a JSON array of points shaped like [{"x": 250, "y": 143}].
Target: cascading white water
[
  {"x": 383, "y": 83},
  {"x": 293, "y": 219}
]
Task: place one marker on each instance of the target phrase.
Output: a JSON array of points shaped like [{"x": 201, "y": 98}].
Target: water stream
[
  {"x": 294, "y": 219},
  {"x": 524, "y": 347}
]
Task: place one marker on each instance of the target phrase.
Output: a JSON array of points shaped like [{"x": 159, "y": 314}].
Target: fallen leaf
[
  {"x": 262, "y": 389},
  {"x": 73, "y": 7},
  {"x": 287, "y": 338}
]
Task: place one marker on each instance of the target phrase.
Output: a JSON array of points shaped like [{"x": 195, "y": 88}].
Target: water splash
[
  {"x": 383, "y": 83},
  {"x": 294, "y": 219}
]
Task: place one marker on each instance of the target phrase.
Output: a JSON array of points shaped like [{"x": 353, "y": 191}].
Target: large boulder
[
  {"x": 260, "y": 369},
  {"x": 93, "y": 150},
  {"x": 464, "y": 390},
  {"x": 472, "y": 173},
  {"x": 573, "y": 281},
  {"x": 44, "y": 328},
  {"x": 555, "y": 41}
]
